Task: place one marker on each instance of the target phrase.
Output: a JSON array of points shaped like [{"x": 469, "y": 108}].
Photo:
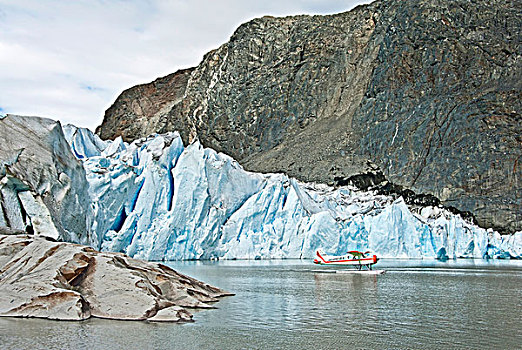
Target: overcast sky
[{"x": 69, "y": 60}]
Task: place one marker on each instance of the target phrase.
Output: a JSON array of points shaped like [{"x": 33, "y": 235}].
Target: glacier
[
  {"x": 42, "y": 185},
  {"x": 156, "y": 199}
]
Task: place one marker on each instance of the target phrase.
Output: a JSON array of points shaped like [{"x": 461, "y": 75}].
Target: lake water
[{"x": 465, "y": 304}]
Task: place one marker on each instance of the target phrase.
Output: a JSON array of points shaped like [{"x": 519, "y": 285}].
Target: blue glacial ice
[{"x": 158, "y": 200}]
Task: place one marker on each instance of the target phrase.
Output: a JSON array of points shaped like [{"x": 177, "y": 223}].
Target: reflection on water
[{"x": 288, "y": 304}]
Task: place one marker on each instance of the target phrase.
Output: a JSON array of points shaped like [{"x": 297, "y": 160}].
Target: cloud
[{"x": 69, "y": 60}]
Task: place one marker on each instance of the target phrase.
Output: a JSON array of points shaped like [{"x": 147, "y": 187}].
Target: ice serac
[
  {"x": 43, "y": 187},
  {"x": 157, "y": 200},
  {"x": 83, "y": 143}
]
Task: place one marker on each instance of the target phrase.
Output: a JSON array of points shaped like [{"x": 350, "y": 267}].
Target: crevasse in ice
[{"x": 155, "y": 199}]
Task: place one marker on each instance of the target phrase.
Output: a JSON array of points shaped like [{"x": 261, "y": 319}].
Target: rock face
[
  {"x": 64, "y": 281},
  {"x": 141, "y": 110},
  {"x": 43, "y": 187},
  {"x": 425, "y": 94}
]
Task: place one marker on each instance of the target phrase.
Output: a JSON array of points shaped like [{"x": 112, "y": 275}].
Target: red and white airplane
[{"x": 352, "y": 258}]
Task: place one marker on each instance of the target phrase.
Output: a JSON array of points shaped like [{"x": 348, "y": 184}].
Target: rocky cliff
[
  {"x": 141, "y": 109},
  {"x": 421, "y": 94}
]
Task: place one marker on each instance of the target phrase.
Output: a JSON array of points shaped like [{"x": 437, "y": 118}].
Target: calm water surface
[{"x": 463, "y": 304}]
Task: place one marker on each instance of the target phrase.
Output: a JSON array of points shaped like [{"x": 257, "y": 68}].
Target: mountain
[{"x": 422, "y": 98}]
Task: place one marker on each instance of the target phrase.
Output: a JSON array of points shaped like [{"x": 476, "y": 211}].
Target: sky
[{"x": 69, "y": 60}]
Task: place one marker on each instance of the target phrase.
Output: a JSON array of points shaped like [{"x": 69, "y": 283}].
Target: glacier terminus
[{"x": 156, "y": 199}]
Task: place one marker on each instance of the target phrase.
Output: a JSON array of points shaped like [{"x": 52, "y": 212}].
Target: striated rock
[
  {"x": 141, "y": 109},
  {"x": 64, "y": 281},
  {"x": 425, "y": 93}
]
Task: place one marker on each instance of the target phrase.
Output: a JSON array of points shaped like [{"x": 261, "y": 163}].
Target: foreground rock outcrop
[
  {"x": 424, "y": 94},
  {"x": 47, "y": 279}
]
